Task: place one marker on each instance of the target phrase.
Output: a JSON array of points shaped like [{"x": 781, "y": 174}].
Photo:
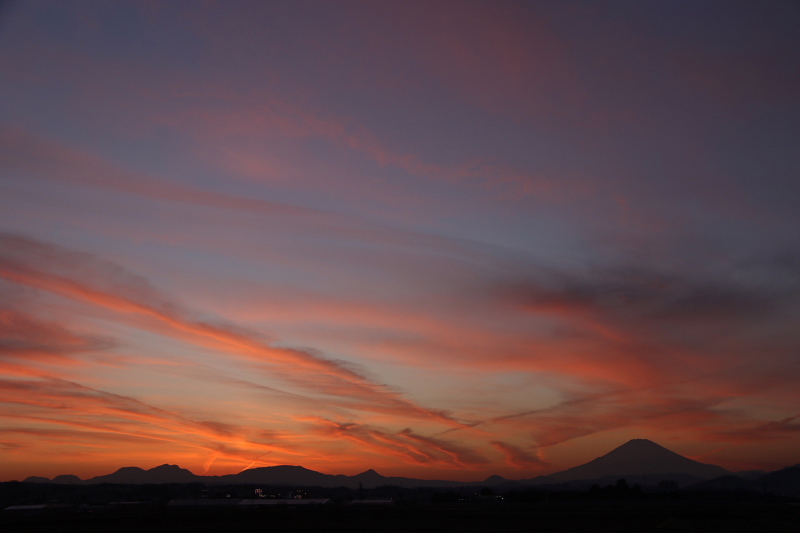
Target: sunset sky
[{"x": 439, "y": 239}]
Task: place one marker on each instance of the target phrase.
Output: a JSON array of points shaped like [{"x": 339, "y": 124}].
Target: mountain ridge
[{"x": 641, "y": 458}]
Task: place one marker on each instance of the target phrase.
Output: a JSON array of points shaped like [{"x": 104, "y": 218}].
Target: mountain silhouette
[
  {"x": 299, "y": 476},
  {"x": 639, "y": 457},
  {"x": 369, "y": 475},
  {"x": 783, "y": 481},
  {"x": 279, "y": 475},
  {"x": 750, "y": 475},
  {"x": 138, "y": 476},
  {"x": 725, "y": 483},
  {"x": 37, "y": 479},
  {"x": 67, "y": 479},
  {"x": 639, "y": 460}
]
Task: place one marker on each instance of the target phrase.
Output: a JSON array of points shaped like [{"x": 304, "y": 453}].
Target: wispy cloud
[
  {"x": 48, "y": 403},
  {"x": 520, "y": 457},
  {"x": 404, "y": 444},
  {"x": 25, "y": 337},
  {"x": 91, "y": 280}
]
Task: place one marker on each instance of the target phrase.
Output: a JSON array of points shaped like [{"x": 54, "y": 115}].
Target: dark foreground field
[{"x": 728, "y": 517}]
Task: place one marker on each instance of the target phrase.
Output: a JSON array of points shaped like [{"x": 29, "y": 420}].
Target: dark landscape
[{"x": 639, "y": 486}]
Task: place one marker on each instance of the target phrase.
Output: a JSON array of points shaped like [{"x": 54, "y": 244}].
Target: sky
[{"x": 443, "y": 240}]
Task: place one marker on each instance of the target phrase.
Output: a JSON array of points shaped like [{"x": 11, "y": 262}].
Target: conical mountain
[
  {"x": 369, "y": 476},
  {"x": 640, "y": 457}
]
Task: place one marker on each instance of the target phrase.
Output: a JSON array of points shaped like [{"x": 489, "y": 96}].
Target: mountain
[
  {"x": 299, "y": 476},
  {"x": 784, "y": 481},
  {"x": 137, "y": 476},
  {"x": 67, "y": 479},
  {"x": 280, "y": 475},
  {"x": 37, "y": 479},
  {"x": 750, "y": 475},
  {"x": 725, "y": 483},
  {"x": 639, "y": 457},
  {"x": 370, "y": 476},
  {"x": 269, "y": 475},
  {"x": 640, "y": 461},
  {"x": 529, "y": 482},
  {"x": 671, "y": 480}
]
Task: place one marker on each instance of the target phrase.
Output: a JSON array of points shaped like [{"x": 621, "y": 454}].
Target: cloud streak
[
  {"x": 134, "y": 296},
  {"x": 404, "y": 444}
]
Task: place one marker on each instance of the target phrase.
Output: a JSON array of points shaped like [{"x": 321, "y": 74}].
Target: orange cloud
[
  {"x": 404, "y": 444},
  {"x": 518, "y": 457},
  {"x": 99, "y": 415},
  {"x": 24, "y": 337},
  {"x": 301, "y": 367}
]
